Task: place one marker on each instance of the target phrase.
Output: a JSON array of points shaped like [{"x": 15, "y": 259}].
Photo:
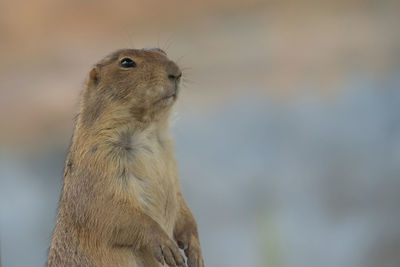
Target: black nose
[
  {"x": 174, "y": 77},
  {"x": 172, "y": 70}
]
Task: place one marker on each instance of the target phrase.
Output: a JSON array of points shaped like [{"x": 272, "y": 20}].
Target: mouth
[
  {"x": 171, "y": 95},
  {"x": 166, "y": 98}
]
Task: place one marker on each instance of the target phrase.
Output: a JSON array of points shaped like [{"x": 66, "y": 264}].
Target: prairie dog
[{"x": 121, "y": 202}]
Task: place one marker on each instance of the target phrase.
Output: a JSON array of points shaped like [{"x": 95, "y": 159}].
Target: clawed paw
[
  {"x": 168, "y": 252},
  {"x": 191, "y": 247},
  {"x": 194, "y": 257}
]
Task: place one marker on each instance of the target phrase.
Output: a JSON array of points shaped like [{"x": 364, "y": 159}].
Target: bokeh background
[{"x": 287, "y": 130}]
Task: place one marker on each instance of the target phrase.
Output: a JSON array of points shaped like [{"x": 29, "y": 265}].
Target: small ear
[{"x": 94, "y": 77}]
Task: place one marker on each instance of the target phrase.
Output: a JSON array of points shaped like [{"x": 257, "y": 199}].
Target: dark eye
[{"x": 127, "y": 63}]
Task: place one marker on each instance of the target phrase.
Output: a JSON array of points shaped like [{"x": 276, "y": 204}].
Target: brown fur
[{"x": 121, "y": 203}]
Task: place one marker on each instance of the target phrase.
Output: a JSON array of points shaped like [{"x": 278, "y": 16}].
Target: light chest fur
[{"x": 151, "y": 174}]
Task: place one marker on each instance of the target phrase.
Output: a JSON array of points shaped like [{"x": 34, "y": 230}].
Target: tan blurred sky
[{"x": 228, "y": 48}]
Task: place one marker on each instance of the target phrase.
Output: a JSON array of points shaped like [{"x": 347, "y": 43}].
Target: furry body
[{"x": 121, "y": 203}]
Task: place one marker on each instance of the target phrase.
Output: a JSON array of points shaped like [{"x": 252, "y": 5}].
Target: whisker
[
  {"x": 128, "y": 35},
  {"x": 158, "y": 40},
  {"x": 184, "y": 69},
  {"x": 168, "y": 43},
  {"x": 186, "y": 82}
]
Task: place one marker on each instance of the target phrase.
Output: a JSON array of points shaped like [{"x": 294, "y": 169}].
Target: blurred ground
[{"x": 287, "y": 130}]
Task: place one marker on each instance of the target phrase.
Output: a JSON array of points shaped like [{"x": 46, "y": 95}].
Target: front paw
[
  {"x": 191, "y": 245},
  {"x": 165, "y": 250}
]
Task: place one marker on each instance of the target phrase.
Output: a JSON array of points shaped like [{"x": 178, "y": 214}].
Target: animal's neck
[
  {"x": 112, "y": 131},
  {"x": 155, "y": 131}
]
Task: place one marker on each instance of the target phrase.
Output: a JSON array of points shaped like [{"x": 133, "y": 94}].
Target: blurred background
[{"x": 287, "y": 130}]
